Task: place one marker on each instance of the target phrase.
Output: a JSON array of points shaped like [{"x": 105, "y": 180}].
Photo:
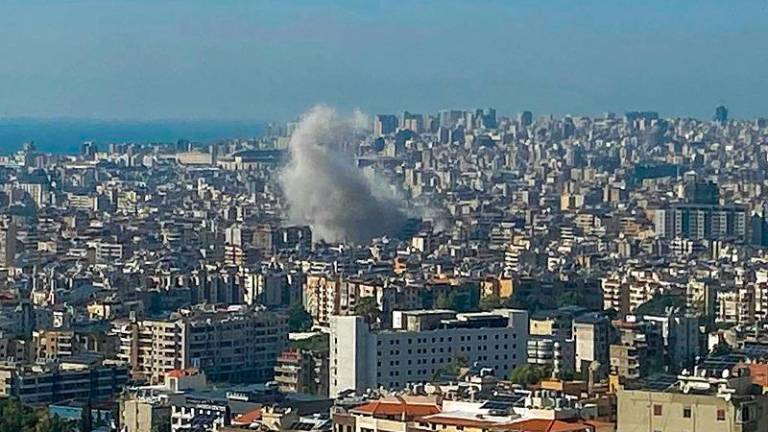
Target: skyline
[{"x": 270, "y": 61}]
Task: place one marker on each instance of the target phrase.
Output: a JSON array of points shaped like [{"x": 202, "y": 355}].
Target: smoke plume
[{"x": 325, "y": 190}]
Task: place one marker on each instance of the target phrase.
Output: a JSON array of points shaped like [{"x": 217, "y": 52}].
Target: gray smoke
[{"x": 325, "y": 190}]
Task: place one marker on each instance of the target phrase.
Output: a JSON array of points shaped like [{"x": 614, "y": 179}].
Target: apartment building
[
  {"x": 638, "y": 350},
  {"x": 702, "y": 221},
  {"x": 7, "y": 244},
  {"x": 188, "y": 414},
  {"x": 616, "y": 294},
  {"x": 422, "y": 343},
  {"x": 71, "y": 380},
  {"x": 592, "y": 333},
  {"x": 236, "y": 343},
  {"x": 302, "y": 371},
  {"x": 322, "y": 297},
  {"x": 700, "y": 402},
  {"x": 54, "y": 344},
  {"x": 551, "y": 340}
]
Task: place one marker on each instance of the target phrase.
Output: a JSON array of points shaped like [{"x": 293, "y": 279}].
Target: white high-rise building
[
  {"x": 7, "y": 244},
  {"x": 421, "y": 344}
]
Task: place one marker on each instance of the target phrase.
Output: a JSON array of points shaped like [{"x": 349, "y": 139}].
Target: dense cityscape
[{"x": 463, "y": 270}]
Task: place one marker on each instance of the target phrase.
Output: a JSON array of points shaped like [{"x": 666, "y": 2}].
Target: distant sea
[{"x": 66, "y": 135}]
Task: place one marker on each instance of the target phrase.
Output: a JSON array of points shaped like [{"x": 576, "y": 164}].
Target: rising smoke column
[{"x": 325, "y": 190}]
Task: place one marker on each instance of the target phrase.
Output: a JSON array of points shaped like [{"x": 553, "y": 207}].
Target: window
[
  {"x": 657, "y": 410},
  {"x": 687, "y": 412},
  {"x": 721, "y": 415}
]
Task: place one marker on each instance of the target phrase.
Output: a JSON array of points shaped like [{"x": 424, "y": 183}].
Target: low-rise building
[
  {"x": 72, "y": 380},
  {"x": 698, "y": 402},
  {"x": 302, "y": 371}
]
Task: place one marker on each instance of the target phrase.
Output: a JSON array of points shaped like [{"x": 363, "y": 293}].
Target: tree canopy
[
  {"x": 529, "y": 374},
  {"x": 317, "y": 343},
  {"x": 17, "y": 417},
  {"x": 368, "y": 308},
  {"x": 490, "y": 302},
  {"x": 299, "y": 320},
  {"x": 659, "y": 304}
]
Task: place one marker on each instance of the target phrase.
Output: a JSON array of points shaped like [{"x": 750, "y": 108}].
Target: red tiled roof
[
  {"x": 248, "y": 418},
  {"x": 391, "y": 408},
  {"x": 544, "y": 425},
  {"x": 759, "y": 373}
]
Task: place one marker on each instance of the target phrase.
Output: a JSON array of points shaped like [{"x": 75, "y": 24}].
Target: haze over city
[{"x": 263, "y": 61}]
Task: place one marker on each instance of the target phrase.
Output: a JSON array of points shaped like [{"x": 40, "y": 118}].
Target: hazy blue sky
[{"x": 271, "y": 60}]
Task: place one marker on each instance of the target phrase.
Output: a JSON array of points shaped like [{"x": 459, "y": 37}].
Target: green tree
[
  {"x": 458, "y": 299},
  {"x": 530, "y": 302},
  {"x": 659, "y": 304},
  {"x": 721, "y": 349},
  {"x": 16, "y": 417},
  {"x": 452, "y": 369},
  {"x": 162, "y": 427},
  {"x": 299, "y": 320},
  {"x": 442, "y": 301},
  {"x": 573, "y": 297},
  {"x": 368, "y": 308},
  {"x": 48, "y": 423},
  {"x": 529, "y": 374},
  {"x": 490, "y": 302},
  {"x": 316, "y": 343}
]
